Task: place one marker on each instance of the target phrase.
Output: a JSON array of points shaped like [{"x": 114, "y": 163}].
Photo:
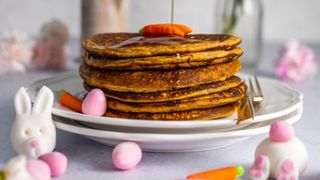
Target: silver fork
[
  {"x": 256, "y": 92},
  {"x": 246, "y": 111},
  {"x": 251, "y": 103}
]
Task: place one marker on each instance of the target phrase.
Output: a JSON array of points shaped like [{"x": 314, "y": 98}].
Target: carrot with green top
[
  {"x": 165, "y": 29},
  {"x": 70, "y": 101},
  {"x": 227, "y": 173}
]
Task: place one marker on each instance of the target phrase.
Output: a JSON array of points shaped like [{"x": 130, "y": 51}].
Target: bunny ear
[
  {"x": 44, "y": 101},
  {"x": 22, "y": 102}
]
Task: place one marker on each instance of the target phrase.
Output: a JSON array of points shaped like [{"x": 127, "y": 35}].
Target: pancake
[
  {"x": 186, "y": 60},
  {"x": 198, "y": 114},
  {"x": 157, "y": 80},
  {"x": 128, "y": 45},
  {"x": 201, "y": 102},
  {"x": 176, "y": 94}
]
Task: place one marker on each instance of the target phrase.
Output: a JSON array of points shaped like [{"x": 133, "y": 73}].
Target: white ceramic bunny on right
[
  {"x": 33, "y": 133},
  {"x": 281, "y": 156}
]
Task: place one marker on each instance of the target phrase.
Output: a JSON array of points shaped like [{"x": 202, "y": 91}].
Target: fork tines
[{"x": 256, "y": 92}]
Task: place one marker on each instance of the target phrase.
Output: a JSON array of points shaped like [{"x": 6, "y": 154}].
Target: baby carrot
[
  {"x": 70, "y": 101},
  {"x": 184, "y": 28},
  {"x": 162, "y": 29},
  {"x": 165, "y": 29},
  {"x": 227, "y": 173}
]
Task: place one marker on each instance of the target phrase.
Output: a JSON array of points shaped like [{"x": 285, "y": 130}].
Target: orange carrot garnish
[
  {"x": 165, "y": 29},
  {"x": 227, "y": 173},
  {"x": 184, "y": 28},
  {"x": 70, "y": 101}
]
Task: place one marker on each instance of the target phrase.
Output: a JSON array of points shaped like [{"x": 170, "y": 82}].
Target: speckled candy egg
[
  {"x": 126, "y": 155},
  {"x": 95, "y": 103}
]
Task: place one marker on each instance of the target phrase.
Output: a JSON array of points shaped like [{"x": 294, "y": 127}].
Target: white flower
[{"x": 16, "y": 46}]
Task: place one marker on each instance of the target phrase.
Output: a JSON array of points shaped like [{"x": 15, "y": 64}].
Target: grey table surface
[{"x": 88, "y": 159}]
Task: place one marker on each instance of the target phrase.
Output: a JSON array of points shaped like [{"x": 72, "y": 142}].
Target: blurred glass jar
[{"x": 243, "y": 18}]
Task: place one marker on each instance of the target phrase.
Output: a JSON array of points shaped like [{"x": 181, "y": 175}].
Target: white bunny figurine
[
  {"x": 33, "y": 133},
  {"x": 281, "y": 156}
]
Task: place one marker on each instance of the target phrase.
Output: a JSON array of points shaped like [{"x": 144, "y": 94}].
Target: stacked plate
[{"x": 281, "y": 103}]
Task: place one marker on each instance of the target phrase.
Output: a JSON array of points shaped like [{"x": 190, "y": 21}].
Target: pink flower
[
  {"x": 49, "y": 50},
  {"x": 47, "y": 56},
  {"x": 15, "y": 51},
  {"x": 296, "y": 62},
  {"x": 16, "y": 46}
]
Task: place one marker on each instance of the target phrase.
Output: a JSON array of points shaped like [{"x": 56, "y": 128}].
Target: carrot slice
[
  {"x": 227, "y": 173},
  {"x": 165, "y": 29},
  {"x": 70, "y": 101}
]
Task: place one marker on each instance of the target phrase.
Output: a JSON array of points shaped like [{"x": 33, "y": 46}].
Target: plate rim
[
  {"x": 161, "y": 124},
  {"x": 177, "y": 137}
]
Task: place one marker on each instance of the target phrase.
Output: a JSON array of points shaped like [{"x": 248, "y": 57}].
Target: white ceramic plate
[
  {"x": 162, "y": 130},
  {"x": 187, "y": 142},
  {"x": 279, "y": 100}
]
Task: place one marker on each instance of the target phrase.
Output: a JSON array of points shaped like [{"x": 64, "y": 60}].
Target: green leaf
[
  {"x": 230, "y": 24},
  {"x": 140, "y": 31},
  {"x": 62, "y": 90},
  {"x": 241, "y": 171}
]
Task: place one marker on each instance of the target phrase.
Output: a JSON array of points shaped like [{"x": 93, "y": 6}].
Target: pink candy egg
[
  {"x": 39, "y": 170},
  {"x": 126, "y": 155},
  {"x": 95, "y": 103},
  {"x": 57, "y": 163}
]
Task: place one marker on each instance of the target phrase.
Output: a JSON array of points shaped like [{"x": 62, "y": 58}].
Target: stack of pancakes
[{"x": 168, "y": 78}]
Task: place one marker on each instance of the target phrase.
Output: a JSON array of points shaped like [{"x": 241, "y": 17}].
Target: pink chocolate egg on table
[
  {"x": 126, "y": 155},
  {"x": 57, "y": 163},
  {"x": 95, "y": 103},
  {"x": 39, "y": 170}
]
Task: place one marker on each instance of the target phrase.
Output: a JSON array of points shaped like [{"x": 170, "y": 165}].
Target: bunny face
[{"x": 33, "y": 132}]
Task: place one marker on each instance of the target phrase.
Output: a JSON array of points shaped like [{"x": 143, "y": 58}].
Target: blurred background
[
  {"x": 282, "y": 19},
  {"x": 264, "y": 25}
]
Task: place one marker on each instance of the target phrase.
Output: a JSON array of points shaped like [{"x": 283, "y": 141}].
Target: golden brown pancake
[
  {"x": 157, "y": 80},
  {"x": 201, "y": 102},
  {"x": 197, "y": 114},
  {"x": 186, "y": 60},
  {"x": 108, "y": 44},
  {"x": 176, "y": 94}
]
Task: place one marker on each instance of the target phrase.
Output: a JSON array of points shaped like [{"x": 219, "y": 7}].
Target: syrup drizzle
[
  {"x": 172, "y": 12},
  {"x": 157, "y": 40}
]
